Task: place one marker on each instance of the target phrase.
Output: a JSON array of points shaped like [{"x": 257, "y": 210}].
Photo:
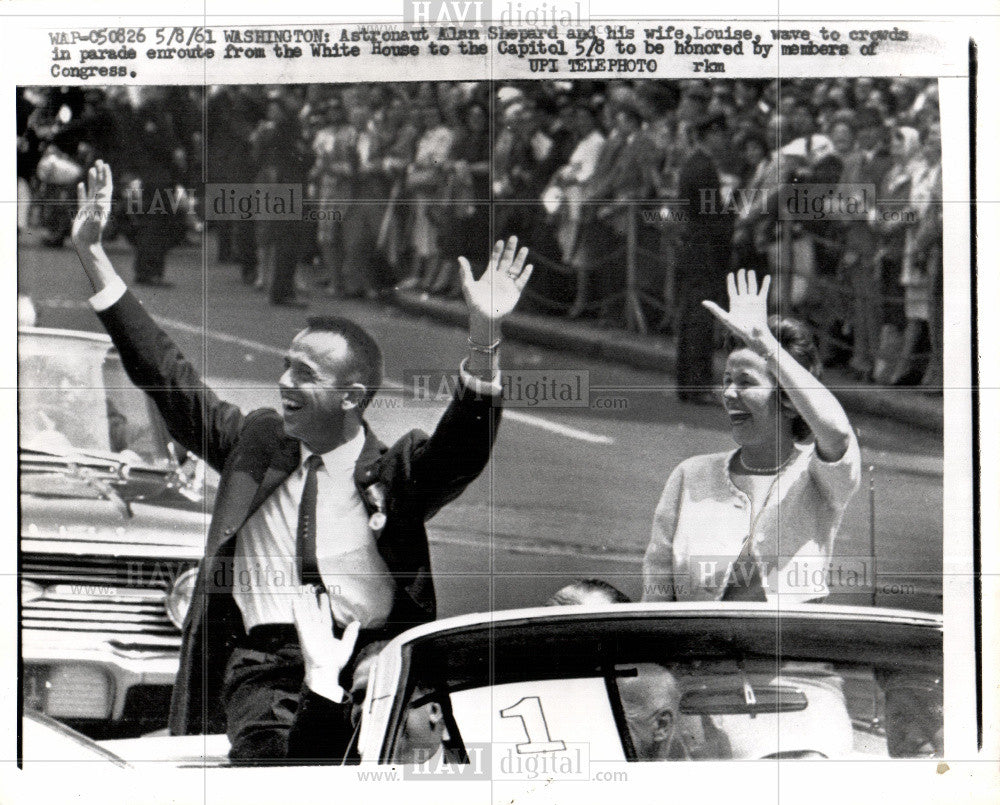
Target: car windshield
[
  {"x": 74, "y": 396},
  {"x": 614, "y": 697}
]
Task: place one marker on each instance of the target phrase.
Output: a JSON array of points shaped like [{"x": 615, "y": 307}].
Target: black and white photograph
[{"x": 492, "y": 428}]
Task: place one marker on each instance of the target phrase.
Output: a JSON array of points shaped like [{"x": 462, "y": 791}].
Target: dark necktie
[{"x": 305, "y": 537}]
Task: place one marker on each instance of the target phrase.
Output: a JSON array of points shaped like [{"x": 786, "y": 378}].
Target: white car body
[{"x": 905, "y": 641}]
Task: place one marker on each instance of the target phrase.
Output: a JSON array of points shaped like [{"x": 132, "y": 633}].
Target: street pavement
[{"x": 570, "y": 491}]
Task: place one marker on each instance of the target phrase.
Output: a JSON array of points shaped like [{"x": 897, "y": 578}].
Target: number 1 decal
[{"x": 529, "y": 710}]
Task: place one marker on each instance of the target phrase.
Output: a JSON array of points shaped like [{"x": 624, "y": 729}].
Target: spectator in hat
[
  {"x": 922, "y": 267},
  {"x": 842, "y": 133}
]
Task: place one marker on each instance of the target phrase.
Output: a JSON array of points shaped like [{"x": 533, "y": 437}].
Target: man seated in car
[{"x": 651, "y": 701}]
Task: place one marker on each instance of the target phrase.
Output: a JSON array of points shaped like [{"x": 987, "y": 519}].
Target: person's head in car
[
  {"x": 651, "y": 700},
  {"x": 423, "y": 733},
  {"x": 589, "y": 592},
  {"x": 423, "y": 730},
  {"x": 914, "y": 714}
]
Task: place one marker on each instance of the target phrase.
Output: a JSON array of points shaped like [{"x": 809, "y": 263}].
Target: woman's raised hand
[{"x": 747, "y": 314}]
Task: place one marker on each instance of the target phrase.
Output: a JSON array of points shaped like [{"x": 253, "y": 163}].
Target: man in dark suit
[
  {"x": 703, "y": 259},
  {"x": 306, "y": 496}
]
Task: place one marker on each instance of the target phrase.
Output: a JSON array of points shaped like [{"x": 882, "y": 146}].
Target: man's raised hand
[
  {"x": 94, "y": 206},
  {"x": 494, "y": 295}
]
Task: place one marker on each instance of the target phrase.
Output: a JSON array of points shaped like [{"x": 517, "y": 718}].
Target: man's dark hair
[
  {"x": 364, "y": 357},
  {"x": 576, "y": 591}
]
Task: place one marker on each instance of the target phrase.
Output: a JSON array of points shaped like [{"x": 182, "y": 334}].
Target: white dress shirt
[{"x": 353, "y": 572}]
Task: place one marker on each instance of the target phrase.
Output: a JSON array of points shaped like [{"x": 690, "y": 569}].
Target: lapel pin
[{"x": 375, "y": 497}]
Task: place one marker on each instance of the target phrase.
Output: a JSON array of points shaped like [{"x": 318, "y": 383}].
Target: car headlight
[{"x": 178, "y": 600}]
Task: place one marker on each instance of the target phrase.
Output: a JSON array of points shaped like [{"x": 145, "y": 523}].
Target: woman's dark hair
[{"x": 796, "y": 338}]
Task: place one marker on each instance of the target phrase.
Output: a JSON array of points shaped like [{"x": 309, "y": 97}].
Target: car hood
[{"x": 73, "y": 525}]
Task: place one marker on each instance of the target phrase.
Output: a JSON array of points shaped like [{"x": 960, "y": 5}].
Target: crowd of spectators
[{"x": 609, "y": 182}]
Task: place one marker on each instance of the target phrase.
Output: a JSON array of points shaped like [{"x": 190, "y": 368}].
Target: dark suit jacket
[
  {"x": 418, "y": 474},
  {"x": 710, "y": 224},
  {"x": 323, "y": 731}
]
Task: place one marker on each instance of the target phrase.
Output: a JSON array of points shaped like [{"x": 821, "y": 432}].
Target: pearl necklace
[{"x": 767, "y": 470}]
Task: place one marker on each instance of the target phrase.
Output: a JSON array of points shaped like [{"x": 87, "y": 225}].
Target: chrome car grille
[{"x": 115, "y": 599}]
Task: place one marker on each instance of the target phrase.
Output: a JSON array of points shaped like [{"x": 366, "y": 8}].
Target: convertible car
[
  {"x": 506, "y": 694},
  {"x": 112, "y": 524}
]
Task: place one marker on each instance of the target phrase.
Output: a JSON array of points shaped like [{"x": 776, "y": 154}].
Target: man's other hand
[
  {"x": 323, "y": 654},
  {"x": 94, "y": 206}
]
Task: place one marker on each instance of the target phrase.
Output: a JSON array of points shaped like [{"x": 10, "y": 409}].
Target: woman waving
[{"x": 759, "y": 522}]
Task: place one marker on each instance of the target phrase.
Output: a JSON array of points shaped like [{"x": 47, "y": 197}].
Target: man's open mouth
[
  {"x": 288, "y": 404},
  {"x": 739, "y": 417}
]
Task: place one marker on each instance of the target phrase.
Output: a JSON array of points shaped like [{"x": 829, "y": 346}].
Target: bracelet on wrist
[{"x": 483, "y": 348}]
